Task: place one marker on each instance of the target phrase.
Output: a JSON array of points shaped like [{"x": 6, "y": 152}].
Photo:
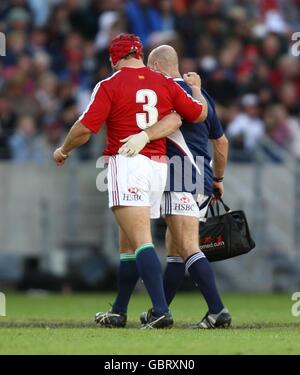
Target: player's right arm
[
  {"x": 77, "y": 136},
  {"x": 89, "y": 122}
]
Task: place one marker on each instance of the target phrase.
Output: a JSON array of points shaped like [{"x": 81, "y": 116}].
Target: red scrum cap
[{"x": 123, "y": 45}]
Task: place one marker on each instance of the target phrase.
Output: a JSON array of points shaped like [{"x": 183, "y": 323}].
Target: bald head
[{"x": 164, "y": 59}]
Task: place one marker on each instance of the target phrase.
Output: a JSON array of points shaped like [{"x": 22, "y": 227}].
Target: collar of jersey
[{"x": 129, "y": 68}]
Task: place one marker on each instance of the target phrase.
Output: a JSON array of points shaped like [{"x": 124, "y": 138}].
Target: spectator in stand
[
  {"x": 283, "y": 129},
  {"x": 278, "y": 125},
  {"x": 289, "y": 98},
  {"x": 167, "y": 15},
  {"x": 246, "y": 129},
  {"x": 23, "y": 144},
  {"x": 7, "y": 123},
  {"x": 143, "y": 19},
  {"x": 46, "y": 94}
]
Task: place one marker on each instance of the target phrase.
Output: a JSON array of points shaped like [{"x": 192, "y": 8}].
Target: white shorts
[
  {"x": 184, "y": 204},
  {"x": 136, "y": 181}
]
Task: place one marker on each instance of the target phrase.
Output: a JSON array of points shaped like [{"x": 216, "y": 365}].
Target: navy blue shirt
[{"x": 190, "y": 142}]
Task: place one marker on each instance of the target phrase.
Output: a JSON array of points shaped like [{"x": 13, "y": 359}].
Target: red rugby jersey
[{"x": 132, "y": 100}]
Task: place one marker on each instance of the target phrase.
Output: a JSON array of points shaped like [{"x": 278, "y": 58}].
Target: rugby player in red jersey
[{"x": 137, "y": 105}]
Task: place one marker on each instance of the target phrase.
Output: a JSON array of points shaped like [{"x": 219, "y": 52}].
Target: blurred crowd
[{"x": 57, "y": 50}]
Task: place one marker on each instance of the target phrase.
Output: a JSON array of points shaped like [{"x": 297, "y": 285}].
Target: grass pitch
[{"x": 63, "y": 324}]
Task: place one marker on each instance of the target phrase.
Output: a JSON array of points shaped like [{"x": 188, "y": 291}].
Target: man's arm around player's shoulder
[{"x": 135, "y": 143}]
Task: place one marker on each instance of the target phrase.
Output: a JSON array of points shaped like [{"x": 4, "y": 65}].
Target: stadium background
[{"x": 56, "y": 231}]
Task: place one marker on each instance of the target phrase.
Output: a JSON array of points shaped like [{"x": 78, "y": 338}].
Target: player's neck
[{"x": 133, "y": 63}]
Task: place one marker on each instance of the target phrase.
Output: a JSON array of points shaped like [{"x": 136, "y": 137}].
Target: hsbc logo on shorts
[
  {"x": 184, "y": 207},
  {"x": 133, "y": 195},
  {"x": 133, "y": 190},
  {"x": 185, "y": 200}
]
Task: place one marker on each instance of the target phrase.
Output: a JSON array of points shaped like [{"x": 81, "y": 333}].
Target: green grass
[{"x": 63, "y": 324}]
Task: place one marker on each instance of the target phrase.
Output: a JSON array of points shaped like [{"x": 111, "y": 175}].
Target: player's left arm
[
  {"x": 220, "y": 147},
  {"x": 220, "y": 155},
  {"x": 135, "y": 143},
  {"x": 78, "y": 135}
]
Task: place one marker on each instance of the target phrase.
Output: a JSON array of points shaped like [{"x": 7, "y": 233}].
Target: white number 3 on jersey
[{"x": 149, "y": 99}]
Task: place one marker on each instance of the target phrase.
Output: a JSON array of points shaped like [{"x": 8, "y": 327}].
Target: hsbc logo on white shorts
[
  {"x": 185, "y": 200},
  {"x": 133, "y": 195},
  {"x": 133, "y": 190},
  {"x": 185, "y": 207}
]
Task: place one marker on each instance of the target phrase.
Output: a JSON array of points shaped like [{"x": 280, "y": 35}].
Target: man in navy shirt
[{"x": 192, "y": 177}]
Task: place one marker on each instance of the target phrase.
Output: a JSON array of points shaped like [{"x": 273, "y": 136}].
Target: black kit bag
[{"x": 225, "y": 236}]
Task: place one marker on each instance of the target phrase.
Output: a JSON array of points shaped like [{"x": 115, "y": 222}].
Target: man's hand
[
  {"x": 220, "y": 187},
  {"x": 192, "y": 79},
  {"x": 134, "y": 144},
  {"x": 59, "y": 157},
  {"x": 77, "y": 136}
]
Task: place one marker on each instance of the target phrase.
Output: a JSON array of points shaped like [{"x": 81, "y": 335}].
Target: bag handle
[
  {"x": 212, "y": 211},
  {"x": 226, "y": 208},
  {"x": 211, "y": 208},
  {"x": 217, "y": 194}
]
